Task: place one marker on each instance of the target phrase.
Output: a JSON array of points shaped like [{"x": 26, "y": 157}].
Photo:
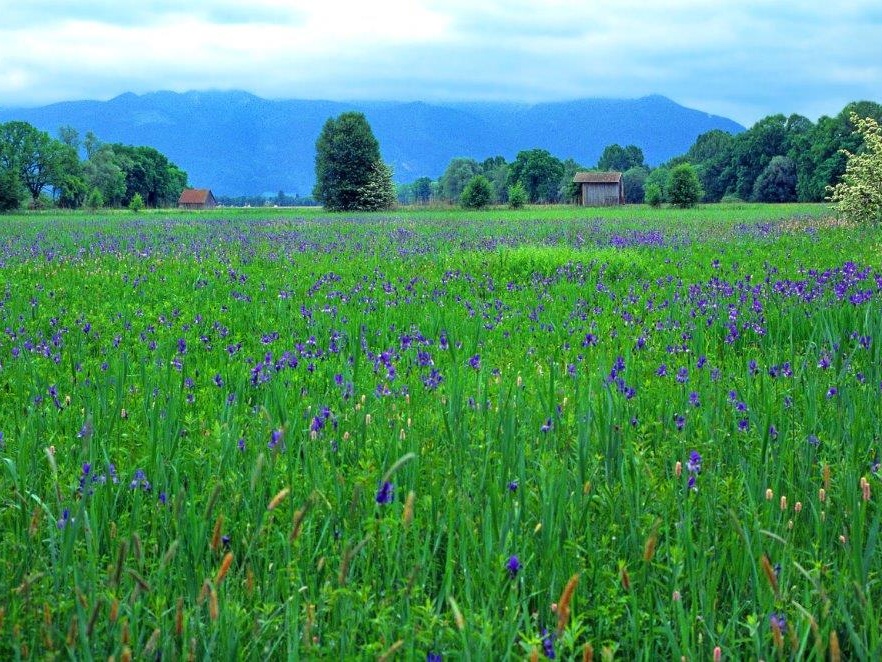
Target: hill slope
[{"x": 237, "y": 143}]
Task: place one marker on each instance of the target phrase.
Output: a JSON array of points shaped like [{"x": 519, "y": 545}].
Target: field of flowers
[{"x": 429, "y": 436}]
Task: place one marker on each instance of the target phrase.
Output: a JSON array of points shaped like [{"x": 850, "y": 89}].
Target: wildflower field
[{"x": 557, "y": 433}]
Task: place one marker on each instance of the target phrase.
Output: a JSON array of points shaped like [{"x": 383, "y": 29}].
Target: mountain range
[{"x": 236, "y": 143}]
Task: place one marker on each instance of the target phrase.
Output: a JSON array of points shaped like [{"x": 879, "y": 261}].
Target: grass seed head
[
  {"x": 407, "y": 516},
  {"x": 179, "y": 618},
  {"x": 150, "y": 646},
  {"x": 216, "y": 533},
  {"x": 213, "y": 608},
  {"x": 769, "y": 572},
  {"x": 280, "y": 496},
  {"x": 563, "y": 605},
  {"x": 224, "y": 568},
  {"x": 835, "y": 653}
]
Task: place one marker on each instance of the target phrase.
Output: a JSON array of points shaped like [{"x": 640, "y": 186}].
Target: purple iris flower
[
  {"x": 693, "y": 464},
  {"x": 548, "y": 644},
  {"x": 779, "y": 621},
  {"x": 513, "y": 565},
  {"x": 385, "y": 493}
]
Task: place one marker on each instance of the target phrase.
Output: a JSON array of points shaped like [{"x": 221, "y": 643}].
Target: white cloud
[{"x": 746, "y": 59}]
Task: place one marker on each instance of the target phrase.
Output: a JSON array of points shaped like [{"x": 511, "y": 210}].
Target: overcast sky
[{"x": 743, "y": 59}]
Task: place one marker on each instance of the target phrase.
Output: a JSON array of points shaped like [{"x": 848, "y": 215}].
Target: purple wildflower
[
  {"x": 693, "y": 464},
  {"x": 385, "y": 493},
  {"x": 140, "y": 480},
  {"x": 513, "y": 565},
  {"x": 548, "y": 644},
  {"x": 275, "y": 438},
  {"x": 779, "y": 621}
]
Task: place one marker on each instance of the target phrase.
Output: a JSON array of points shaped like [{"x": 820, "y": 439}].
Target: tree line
[
  {"x": 778, "y": 159},
  {"x": 40, "y": 171}
]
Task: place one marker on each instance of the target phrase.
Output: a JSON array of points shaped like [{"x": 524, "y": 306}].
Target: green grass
[{"x": 237, "y": 359}]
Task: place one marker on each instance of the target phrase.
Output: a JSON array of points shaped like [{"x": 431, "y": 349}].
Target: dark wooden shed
[
  {"x": 600, "y": 189},
  {"x": 197, "y": 198}
]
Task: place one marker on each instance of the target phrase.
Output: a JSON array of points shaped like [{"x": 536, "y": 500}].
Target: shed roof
[
  {"x": 194, "y": 196},
  {"x": 597, "y": 178}
]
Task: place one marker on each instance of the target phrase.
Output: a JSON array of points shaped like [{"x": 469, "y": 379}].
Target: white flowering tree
[{"x": 858, "y": 195}]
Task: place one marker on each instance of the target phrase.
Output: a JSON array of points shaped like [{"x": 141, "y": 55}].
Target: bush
[
  {"x": 684, "y": 189},
  {"x": 95, "y": 200},
  {"x": 858, "y": 195},
  {"x": 517, "y": 196},
  {"x": 137, "y": 203},
  {"x": 653, "y": 196},
  {"x": 478, "y": 193}
]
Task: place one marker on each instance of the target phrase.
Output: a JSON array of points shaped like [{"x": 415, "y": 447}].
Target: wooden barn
[
  {"x": 197, "y": 198},
  {"x": 600, "y": 189}
]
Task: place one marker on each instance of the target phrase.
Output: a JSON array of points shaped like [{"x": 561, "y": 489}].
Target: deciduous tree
[
  {"x": 459, "y": 172},
  {"x": 858, "y": 195},
  {"x": 539, "y": 172},
  {"x": 619, "y": 159},
  {"x": 348, "y": 168},
  {"x": 777, "y": 182}
]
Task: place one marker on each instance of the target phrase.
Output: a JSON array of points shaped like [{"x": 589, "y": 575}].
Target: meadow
[{"x": 552, "y": 433}]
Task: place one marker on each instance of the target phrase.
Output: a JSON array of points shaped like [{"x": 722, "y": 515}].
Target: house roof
[
  {"x": 194, "y": 196},
  {"x": 597, "y": 178}
]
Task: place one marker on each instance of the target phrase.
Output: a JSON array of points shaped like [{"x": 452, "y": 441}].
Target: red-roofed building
[
  {"x": 600, "y": 189},
  {"x": 196, "y": 198}
]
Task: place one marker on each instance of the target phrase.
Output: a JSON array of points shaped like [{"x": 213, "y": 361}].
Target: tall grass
[{"x": 643, "y": 433}]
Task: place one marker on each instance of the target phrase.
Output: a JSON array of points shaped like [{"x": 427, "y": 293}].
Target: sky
[{"x": 742, "y": 59}]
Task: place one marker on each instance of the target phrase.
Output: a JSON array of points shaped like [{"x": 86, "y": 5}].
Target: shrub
[
  {"x": 653, "y": 196},
  {"x": 478, "y": 193},
  {"x": 517, "y": 196},
  {"x": 684, "y": 189},
  {"x": 137, "y": 203},
  {"x": 95, "y": 199}
]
